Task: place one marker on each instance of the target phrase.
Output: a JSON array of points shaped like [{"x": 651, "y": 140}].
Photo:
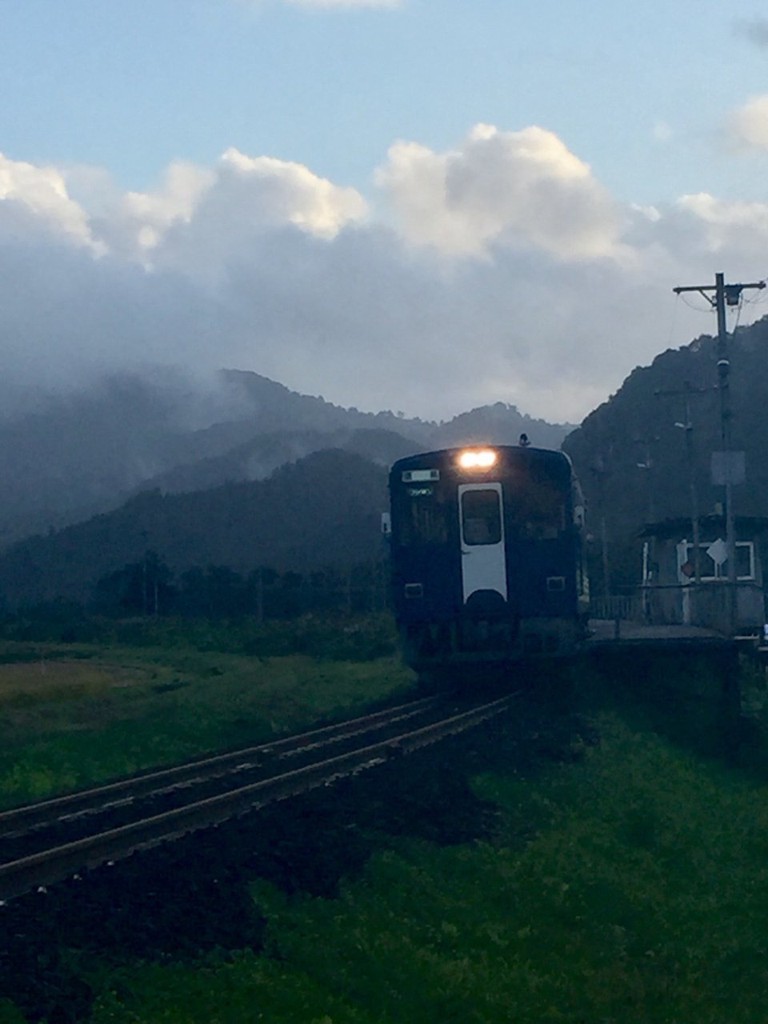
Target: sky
[{"x": 416, "y": 205}]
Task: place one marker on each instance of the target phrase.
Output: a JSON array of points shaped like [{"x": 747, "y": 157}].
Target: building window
[{"x": 711, "y": 570}]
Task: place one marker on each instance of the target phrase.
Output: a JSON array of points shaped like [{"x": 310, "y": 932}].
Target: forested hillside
[
  {"x": 321, "y": 511},
  {"x": 74, "y": 454},
  {"x": 292, "y": 482},
  {"x": 636, "y": 459}
]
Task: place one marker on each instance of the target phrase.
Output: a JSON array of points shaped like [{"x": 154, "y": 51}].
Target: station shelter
[{"x": 688, "y": 583}]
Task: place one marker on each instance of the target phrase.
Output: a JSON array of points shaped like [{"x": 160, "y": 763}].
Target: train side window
[{"x": 481, "y": 517}]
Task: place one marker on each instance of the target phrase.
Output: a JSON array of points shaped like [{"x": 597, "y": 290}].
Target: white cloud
[
  {"x": 503, "y": 271},
  {"x": 282, "y": 192},
  {"x": 36, "y": 198},
  {"x": 729, "y": 226},
  {"x": 519, "y": 189},
  {"x": 134, "y": 223},
  {"x": 248, "y": 199},
  {"x": 748, "y": 125},
  {"x": 181, "y": 191},
  {"x": 199, "y": 217}
]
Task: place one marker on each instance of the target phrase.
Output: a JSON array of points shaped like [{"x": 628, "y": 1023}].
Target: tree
[{"x": 138, "y": 588}]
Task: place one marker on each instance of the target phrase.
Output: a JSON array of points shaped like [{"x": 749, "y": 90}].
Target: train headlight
[{"x": 482, "y": 458}]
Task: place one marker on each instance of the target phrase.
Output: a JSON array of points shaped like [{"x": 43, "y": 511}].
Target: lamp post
[{"x": 688, "y": 428}]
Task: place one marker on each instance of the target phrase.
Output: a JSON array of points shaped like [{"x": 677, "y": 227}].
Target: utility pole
[{"x": 725, "y": 295}]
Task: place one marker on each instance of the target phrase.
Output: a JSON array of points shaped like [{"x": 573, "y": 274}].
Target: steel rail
[
  {"x": 47, "y": 867},
  {"x": 89, "y": 801}
]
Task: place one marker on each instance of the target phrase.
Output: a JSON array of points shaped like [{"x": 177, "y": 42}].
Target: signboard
[
  {"x": 683, "y": 575},
  {"x": 718, "y": 551}
]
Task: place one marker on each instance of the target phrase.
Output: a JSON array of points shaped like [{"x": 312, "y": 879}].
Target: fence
[
  {"x": 617, "y": 606},
  {"x": 718, "y": 605}
]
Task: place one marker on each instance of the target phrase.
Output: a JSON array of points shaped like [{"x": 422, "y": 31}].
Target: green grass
[
  {"x": 628, "y": 887},
  {"x": 75, "y": 715},
  {"x": 323, "y": 636}
]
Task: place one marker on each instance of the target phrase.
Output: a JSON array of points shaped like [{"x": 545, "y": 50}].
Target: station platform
[{"x": 623, "y": 634}]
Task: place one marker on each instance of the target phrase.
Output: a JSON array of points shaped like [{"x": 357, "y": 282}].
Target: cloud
[
  {"x": 729, "y": 226},
  {"x": 198, "y": 217},
  {"x": 500, "y": 270},
  {"x": 748, "y": 126},
  {"x": 133, "y": 223},
  {"x": 753, "y": 29},
  {"x": 278, "y": 192},
  {"x": 35, "y": 199},
  {"x": 515, "y": 189}
]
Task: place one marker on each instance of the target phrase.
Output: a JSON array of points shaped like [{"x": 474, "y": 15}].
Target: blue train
[{"x": 486, "y": 556}]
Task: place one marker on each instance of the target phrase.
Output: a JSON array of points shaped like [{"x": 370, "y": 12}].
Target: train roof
[{"x": 448, "y": 456}]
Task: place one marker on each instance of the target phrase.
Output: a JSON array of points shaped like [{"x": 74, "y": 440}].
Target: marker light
[{"x": 482, "y": 459}]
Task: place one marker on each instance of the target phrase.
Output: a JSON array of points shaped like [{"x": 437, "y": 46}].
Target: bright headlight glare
[{"x": 474, "y": 459}]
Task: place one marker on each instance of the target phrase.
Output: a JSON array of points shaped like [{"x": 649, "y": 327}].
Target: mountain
[
  {"x": 72, "y": 455},
  {"x": 260, "y": 456},
  {"x": 497, "y": 424},
  {"x": 323, "y": 510},
  {"x": 251, "y": 473},
  {"x": 637, "y": 461}
]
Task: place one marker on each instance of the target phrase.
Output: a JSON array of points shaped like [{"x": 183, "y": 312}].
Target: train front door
[{"x": 483, "y": 560}]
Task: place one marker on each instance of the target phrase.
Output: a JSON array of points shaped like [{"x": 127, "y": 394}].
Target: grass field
[
  {"x": 623, "y": 880},
  {"x": 628, "y": 886},
  {"x": 72, "y": 715}
]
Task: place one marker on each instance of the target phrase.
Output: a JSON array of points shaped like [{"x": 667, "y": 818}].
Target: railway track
[{"x": 49, "y": 841}]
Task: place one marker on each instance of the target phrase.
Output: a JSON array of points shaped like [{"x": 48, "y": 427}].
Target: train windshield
[
  {"x": 481, "y": 517},
  {"x": 539, "y": 503},
  {"x": 424, "y": 521}
]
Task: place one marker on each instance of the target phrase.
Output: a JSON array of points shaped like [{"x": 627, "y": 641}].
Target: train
[{"x": 486, "y": 557}]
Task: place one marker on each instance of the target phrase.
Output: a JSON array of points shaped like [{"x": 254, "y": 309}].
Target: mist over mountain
[
  {"x": 70, "y": 455},
  {"x": 247, "y": 473}
]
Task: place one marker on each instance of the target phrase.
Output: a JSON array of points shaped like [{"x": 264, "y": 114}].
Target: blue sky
[
  {"x": 575, "y": 208},
  {"x": 134, "y": 86}
]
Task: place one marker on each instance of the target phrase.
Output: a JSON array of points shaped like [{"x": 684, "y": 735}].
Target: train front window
[
  {"x": 481, "y": 517},
  {"x": 424, "y": 520},
  {"x": 539, "y": 506}
]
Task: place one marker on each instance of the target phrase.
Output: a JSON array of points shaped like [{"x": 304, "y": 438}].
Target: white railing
[
  {"x": 718, "y": 605},
  {"x": 617, "y": 606}
]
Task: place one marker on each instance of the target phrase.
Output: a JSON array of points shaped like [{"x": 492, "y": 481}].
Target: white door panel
[{"x": 481, "y": 521}]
